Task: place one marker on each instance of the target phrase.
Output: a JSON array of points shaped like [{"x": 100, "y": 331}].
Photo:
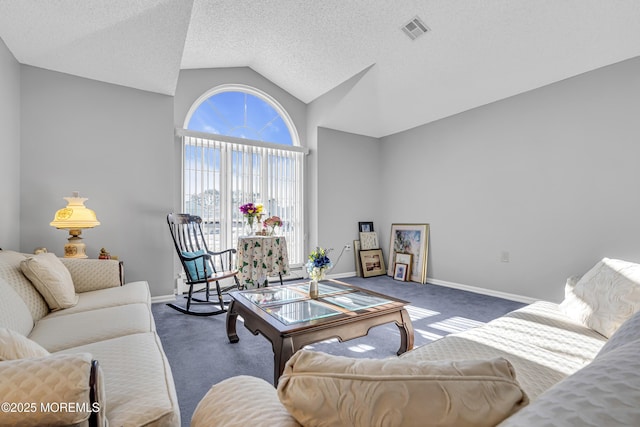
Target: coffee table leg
[
  {"x": 231, "y": 323},
  {"x": 282, "y": 352},
  {"x": 406, "y": 332}
]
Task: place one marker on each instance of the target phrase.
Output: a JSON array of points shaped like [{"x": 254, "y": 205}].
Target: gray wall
[
  {"x": 320, "y": 209},
  {"x": 115, "y": 146},
  {"x": 10, "y": 149},
  {"x": 348, "y": 191},
  {"x": 550, "y": 176}
]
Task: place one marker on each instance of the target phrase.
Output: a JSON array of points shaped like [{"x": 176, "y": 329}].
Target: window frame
[{"x": 295, "y": 147}]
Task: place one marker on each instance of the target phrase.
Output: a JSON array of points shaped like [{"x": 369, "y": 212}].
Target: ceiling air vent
[{"x": 415, "y": 28}]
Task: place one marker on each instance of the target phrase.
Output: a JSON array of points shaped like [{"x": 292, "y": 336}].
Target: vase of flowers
[
  {"x": 271, "y": 223},
  {"x": 317, "y": 266},
  {"x": 252, "y": 213}
]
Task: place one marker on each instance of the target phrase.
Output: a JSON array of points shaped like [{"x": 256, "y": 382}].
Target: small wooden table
[{"x": 289, "y": 319}]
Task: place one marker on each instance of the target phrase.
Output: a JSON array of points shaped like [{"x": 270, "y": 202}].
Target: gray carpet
[{"x": 200, "y": 353}]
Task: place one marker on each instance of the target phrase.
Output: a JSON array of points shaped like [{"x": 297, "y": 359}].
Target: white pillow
[
  {"x": 324, "y": 390},
  {"x": 16, "y": 346},
  {"x": 52, "y": 279},
  {"x": 605, "y": 297}
]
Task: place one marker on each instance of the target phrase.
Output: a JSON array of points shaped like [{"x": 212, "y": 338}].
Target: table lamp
[{"x": 74, "y": 218}]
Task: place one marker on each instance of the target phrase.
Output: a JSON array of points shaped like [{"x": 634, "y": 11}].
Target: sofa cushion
[
  {"x": 605, "y": 296},
  {"x": 628, "y": 332},
  {"x": 544, "y": 325},
  {"x": 131, "y": 293},
  {"x": 14, "y": 313},
  {"x": 538, "y": 366},
  {"x": 52, "y": 279},
  {"x": 263, "y": 409},
  {"x": 61, "y": 332},
  {"x": 16, "y": 346},
  {"x": 10, "y": 270},
  {"x": 93, "y": 274},
  {"x": 138, "y": 380},
  {"x": 321, "y": 389},
  {"x": 604, "y": 393}
]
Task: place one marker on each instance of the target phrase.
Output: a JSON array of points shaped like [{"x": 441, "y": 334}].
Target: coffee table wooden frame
[{"x": 287, "y": 339}]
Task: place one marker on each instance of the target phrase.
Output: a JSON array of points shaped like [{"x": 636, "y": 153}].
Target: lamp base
[{"x": 76, "y": 247}]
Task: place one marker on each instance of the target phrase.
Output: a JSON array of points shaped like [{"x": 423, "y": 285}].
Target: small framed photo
[
  {"x": 400, "y": 271},
  {"x": 405, "y": 258},
  {"x": 365, "y": 227},
  {"x": 372, "y": 262},
  {"x": 368, "y": 240}
]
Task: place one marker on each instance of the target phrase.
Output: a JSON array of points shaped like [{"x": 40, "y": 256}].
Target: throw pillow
[
  {"x": 52, "y": 279},
  {"x": 14, "y": 313},
  {"x": 196, "y": 267},
  {"x": 324, "y": 390},
  {"x": 606, "y": 296},
  {"x": 16, "y": 346}
]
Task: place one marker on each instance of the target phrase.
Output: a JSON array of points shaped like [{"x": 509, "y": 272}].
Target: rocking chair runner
[{"x": 201, "y": 266}]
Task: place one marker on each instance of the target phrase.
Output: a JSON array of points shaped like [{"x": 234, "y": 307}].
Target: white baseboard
[
  {"x": 483, "y": 291},
  {"x": 163, "y": 298},
  {"x": 341, "y": 275},
  {"x": 474, "y": 289}
]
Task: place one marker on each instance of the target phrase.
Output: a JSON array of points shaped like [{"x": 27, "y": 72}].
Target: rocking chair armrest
[
  {"x": 206, "y": 255},
  {"x": 232, "y": 250}
]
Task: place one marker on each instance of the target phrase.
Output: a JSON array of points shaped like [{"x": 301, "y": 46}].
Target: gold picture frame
[
  {"x": 412, "y": 239},
  {"x": 356, "y": 252},
  {"x": 372, "y": 262}
]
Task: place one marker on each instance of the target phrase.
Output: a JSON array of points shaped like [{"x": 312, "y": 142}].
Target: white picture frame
[{"x": 368, "y": 240}]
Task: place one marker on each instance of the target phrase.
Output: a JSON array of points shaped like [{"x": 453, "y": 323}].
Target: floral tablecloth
[{"x": 259, "y": 257}]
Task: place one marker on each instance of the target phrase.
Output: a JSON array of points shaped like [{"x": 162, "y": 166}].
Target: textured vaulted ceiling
[{"x": 477, "y": 52}]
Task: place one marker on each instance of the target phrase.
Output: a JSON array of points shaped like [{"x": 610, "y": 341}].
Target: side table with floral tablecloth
[{"x": 259, "y": 257}]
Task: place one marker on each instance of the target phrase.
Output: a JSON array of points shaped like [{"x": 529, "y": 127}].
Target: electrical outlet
[{"x": 347, "y": 247}]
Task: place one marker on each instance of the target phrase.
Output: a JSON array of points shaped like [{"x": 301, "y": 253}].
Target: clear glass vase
[{"x": 249, "y": 230}]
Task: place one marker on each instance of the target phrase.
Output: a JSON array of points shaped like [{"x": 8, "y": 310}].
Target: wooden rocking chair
[{"x": 201, "y": 266}]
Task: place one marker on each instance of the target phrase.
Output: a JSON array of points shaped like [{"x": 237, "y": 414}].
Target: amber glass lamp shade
[{"x": 74, "y": 217}]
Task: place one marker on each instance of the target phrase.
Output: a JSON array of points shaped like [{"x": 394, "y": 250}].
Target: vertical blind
[{"x": 219, "y": 176}]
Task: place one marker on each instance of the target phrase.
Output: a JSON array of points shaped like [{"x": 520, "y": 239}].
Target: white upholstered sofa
[
  {"x": 48, "y": 369},
  {"x": 570, "y": 364}
]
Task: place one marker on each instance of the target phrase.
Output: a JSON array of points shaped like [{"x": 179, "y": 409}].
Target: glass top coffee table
[{"x": 289, "y": 319}]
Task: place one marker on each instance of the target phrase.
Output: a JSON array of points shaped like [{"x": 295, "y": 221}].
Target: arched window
[
  {"x": 251, "y": 154},
  {"x": 242, "y": 112}
]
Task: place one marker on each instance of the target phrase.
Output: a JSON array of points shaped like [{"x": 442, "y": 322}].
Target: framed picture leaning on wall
[
  {"x": 356, "y": 252},
  {"x": 369, "y": 240},
  {"x": 400, "y": 272},
  {"x": 365, "y": 226},
  {"x": 372, "y": 262},
  {"x": 411, "y": 239},
  {"x": 402, "y": 258}
]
